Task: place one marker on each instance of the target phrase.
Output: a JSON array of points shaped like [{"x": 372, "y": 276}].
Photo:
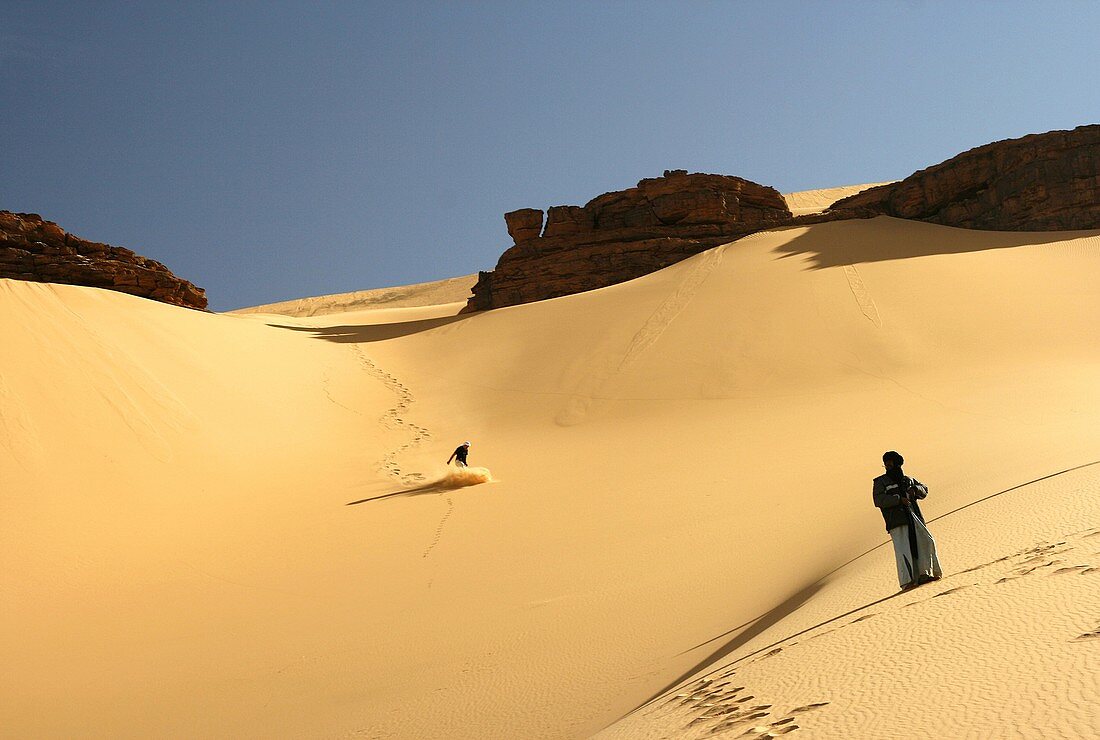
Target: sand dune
[
  {"x": 1003, "y": 646},
  {"x": 806, "y": 202},
  {"x": 682, "y": 470},
  {"x": 451, "y": 290}
]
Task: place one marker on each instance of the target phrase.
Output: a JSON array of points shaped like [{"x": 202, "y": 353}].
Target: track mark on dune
[
  {"x": 1037, "y": 560},
  {"x": 439, "y": 529},
  {"x": 394, "y": 419},
  {"x": 576, "y": 408},
  {"x": 954, "y": 590},
  {"x": 326, "y": 381},
  {"x": 719, "y": 708},
  {"x": 1088, "y": 635},
  {"x": 670, "y": 308},
  {"x": 1019, "y": 563},
  {"x": 862, "y": 295},
  {"x": 716, "y": 707}
]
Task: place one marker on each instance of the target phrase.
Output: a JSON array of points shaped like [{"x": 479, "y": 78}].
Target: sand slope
[
  {"x": 806, "y": 202},
  {"x": 674, "y": 458},
  {"x": 1005, "y": 645},
  {"x": 451, "y": 290}
]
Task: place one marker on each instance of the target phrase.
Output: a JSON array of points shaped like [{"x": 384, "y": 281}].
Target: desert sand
[
  {"x": 437, "y": 292},
  {"x": 806, "y": 202},
  {"x": 241, "y": 525}
]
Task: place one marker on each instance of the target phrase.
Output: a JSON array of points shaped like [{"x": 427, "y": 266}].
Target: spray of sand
[{"x": 462, "y": 477}]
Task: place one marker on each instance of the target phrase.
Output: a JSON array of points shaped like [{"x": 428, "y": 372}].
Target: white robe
[{"x": 927, "y": 563}]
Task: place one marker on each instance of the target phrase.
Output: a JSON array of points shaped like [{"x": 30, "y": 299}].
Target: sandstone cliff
[
  {"x": 1041, "y": 182},
  {"x": 41, "y": 251},
  {"x": 623, "y": 235}
]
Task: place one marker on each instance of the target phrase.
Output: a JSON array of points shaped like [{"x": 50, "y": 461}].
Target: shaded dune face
[{"x": 680, "y": 524}]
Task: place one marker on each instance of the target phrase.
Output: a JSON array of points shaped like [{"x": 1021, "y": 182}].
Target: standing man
[
  {"x": 459, "y": 455},
  {"x": 896, "y": 495}
]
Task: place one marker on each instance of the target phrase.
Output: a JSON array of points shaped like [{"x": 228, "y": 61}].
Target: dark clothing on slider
[{"x": 459, "y": 455}]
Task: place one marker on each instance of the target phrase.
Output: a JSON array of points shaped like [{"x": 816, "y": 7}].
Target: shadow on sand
[
  {"x": 452, "y": 480},
  {"x": 356, "y": 333},
  {"x": 751, "y": 630},
  {"x": 754, "y": 627},
  {"x": 841, "y": 243},
  {"x": 418, "y": 491}
]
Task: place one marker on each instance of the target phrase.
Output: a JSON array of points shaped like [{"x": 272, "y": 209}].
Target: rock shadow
[
  {"x": 849, "y": 242},
  {"x": 365, "y": 333}
]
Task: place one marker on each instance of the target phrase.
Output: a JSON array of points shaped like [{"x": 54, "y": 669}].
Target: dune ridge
[
  {"x": 806, "y": 202},
  {"x": 449, "y": 290}
]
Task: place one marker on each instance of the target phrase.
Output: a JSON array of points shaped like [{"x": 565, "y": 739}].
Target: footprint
[
  {"x": 439, "y": 529},
  {"x": 761, "y": 732},
  {"x": 1033, "y": 559},
  {"x": 809, "y": 707},
  {"x": 976, "y": 567},
  {"x": 1034, "y": 568},
  {"x": 951, "y": 591},
  {"x": 730, "y": 723}
]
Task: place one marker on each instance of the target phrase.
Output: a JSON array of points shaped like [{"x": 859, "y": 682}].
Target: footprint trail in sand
[{"x": 394, "y": 419}]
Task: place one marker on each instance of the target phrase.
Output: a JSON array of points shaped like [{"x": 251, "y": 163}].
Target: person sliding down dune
[
  {"x": 459, "y": 455},
  {"x": 896, "y": 495}
]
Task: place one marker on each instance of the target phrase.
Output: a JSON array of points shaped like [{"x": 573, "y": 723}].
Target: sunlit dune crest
[
  {"x": 806, "y": 202},
  {"x": 451, "y": 290},
  {"x": 679, "y": 539}
]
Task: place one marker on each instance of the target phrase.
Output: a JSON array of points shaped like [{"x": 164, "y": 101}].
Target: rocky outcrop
[
  {"x": 524, "y": 224},
  {"x": 623, "y": 235},
  {"x": 1041, "y": 182},
  {"x": 38, "y": 250}
]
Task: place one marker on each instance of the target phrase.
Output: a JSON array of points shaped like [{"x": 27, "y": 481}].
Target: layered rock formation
[
  {"x": 41, "y": 251},
  {"x": 623, "y": 235},
  {"x": 1041, "y": 182}
]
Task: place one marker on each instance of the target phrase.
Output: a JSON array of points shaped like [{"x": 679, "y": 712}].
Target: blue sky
[{"x": 274, "y": 150}]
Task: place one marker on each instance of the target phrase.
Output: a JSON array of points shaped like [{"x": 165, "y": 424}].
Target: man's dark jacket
[{"x": 887, "y": 494}]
